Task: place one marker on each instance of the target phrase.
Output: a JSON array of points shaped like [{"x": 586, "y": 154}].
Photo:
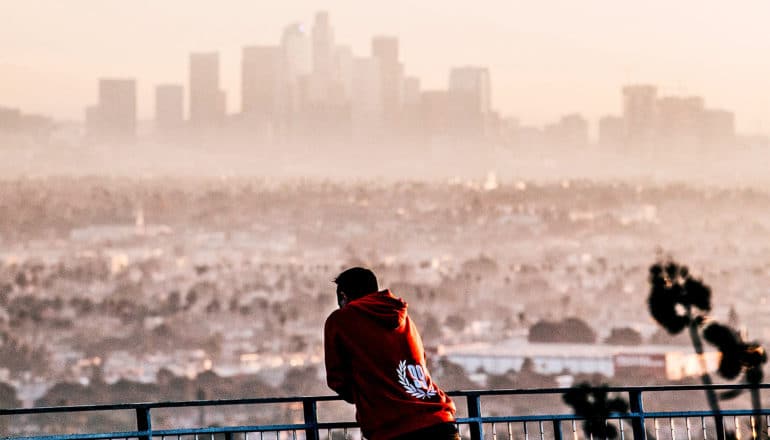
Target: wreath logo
[{"x": 412, "y": 378}]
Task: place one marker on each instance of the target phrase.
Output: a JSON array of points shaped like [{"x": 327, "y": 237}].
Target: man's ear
[{"x": 342, "y": 299}]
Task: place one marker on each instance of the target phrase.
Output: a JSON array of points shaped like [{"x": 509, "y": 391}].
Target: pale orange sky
[{"x": 546, "y": 57}]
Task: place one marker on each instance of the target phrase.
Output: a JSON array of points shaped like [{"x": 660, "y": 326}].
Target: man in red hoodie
[{"x": 375, "y": 360}]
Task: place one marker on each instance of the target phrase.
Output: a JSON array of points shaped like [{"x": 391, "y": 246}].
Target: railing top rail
[{"x": 299, "y": 399}]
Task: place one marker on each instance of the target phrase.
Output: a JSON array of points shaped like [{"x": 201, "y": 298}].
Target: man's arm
[{"x": 338, "y": 374}]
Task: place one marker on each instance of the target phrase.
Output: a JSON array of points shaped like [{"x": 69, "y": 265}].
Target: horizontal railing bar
[
  {"x": 644, "y": 389},
  {"x": 192, "y": 431},
  {"x": 299, "y": 399},
  {"x": 615, "y": 416}
]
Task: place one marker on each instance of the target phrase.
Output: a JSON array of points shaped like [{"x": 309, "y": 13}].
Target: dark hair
[{"x": 356, "y": 282}]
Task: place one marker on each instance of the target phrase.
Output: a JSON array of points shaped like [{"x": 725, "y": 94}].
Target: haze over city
[{"x": 546, "y": 58}]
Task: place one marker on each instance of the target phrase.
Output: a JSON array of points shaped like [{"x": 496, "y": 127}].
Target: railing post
[
  {"x": 310, "y": 412},
  {"x": 719, "y": 425},
  {"x": 557, "y": 430},
  {"x": 143, "y": 422},
  {"x": 637, "y": 423},
  {"x": 474, "y": 412}
]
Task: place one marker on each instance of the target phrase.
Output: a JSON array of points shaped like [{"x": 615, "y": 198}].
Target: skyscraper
[
  {"x": 639, "y": 112},
  {"x": 260, "y": 80},
  {"x": 207, "y": 100},
  {"x": 385, "y": 51},
  {"x": 296, "y": 66},
  {"x": 366, "y": 98},
  {"x": 343, "y": 68},
  {"x": 474, "y": 84},
  {"x": 323, "y": 46},
  {"x": 471, "y": 90},
  {"x": 114, "y": 116},
  {"x": 678, "y": 119},
  {"x": 169, "y": 107},
  {"x": 296, "y": 52}
]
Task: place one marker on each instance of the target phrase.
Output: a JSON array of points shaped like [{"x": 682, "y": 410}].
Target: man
[{"x": 375, "y": 360}]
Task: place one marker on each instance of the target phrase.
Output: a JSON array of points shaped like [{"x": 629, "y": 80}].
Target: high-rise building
[
  {"x": 295, "y": 68},
  {"x": 411, "y": 91},
  {"x": 296, "y": 52},
  {"x": 169, "y": 107},
  {"x": 323, "y": 46},
  {"x": 639, "y": 113},
  {"x": 260, "y": 80},
  {"x": 207, "y": 100},
  {"x": 114, "y": 115},
  {"x": 385, "y": 50},
  {"x": 474, "y": 84},
  {"x": 678, "y": 120},
  {"x": 410, "y": 108},
  {"x": 343, "y": 69},
  {"x": 366, "y": 97},
  {"x": 472, "y": 91}
]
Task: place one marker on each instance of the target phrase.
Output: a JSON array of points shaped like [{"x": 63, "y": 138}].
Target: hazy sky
[{"x": 546, "y": 57}]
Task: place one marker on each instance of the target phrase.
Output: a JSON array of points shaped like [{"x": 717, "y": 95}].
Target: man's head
[{"x": 355, "y": 283}]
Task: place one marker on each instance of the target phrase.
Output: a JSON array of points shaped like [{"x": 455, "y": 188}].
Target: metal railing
[{"x": 473, "y": 423}]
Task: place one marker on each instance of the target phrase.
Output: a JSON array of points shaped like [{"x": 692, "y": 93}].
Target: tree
[
  {"x": 573, "y": 330},
  {"x": 623, "y": 336}
]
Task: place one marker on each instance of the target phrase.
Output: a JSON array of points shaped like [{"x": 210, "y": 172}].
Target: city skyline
[{"x": 577, "y": 92}]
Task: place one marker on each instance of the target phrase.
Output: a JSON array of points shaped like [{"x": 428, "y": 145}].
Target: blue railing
[{"x": 638, "y": 424}]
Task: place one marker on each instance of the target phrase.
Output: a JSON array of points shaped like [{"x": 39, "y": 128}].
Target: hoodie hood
[{"x": 383, "y": 307}]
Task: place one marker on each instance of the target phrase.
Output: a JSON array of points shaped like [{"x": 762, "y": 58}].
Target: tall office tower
[
  {"x": 296, "y": 52},
  {"x": 678, "y": 120},
  {"x": 474, "y": 83},
  {"x": 611, "y": 132},
  {"x": 471, "y": 89},
  {"x": 206, "y": 97},
  {"x": 410, "y": 98},
  {"x": 169, "y": 107},
  {"x": 260, "y": 80},
  {"x": 366, "y": 97},
  {"x": 411, "y": 91},
  {"x": 323, "y": 46},
  {"x": 385, "y": 51},
  {"x": 114, "y": 115},
  {"x": 639, "y": 113},
  {"x": 296, "y": 66},
  {"x": 343, "y": 68}
]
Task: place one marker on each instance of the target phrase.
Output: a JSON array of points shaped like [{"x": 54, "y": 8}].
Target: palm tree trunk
[
  {"x": 711, "y": 395},
  {"x": 757, "y": 422}
]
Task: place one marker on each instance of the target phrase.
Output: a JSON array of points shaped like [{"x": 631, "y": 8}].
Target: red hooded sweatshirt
[{"x": 375, "y": 360}]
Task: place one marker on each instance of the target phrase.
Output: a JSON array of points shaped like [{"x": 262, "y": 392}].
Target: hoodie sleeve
[{"x": 338, "y": 374}]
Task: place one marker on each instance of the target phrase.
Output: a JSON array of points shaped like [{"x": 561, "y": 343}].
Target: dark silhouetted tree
[
  {"x": 678, "y": 301},
  {"x": 596, "y": 407}
]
